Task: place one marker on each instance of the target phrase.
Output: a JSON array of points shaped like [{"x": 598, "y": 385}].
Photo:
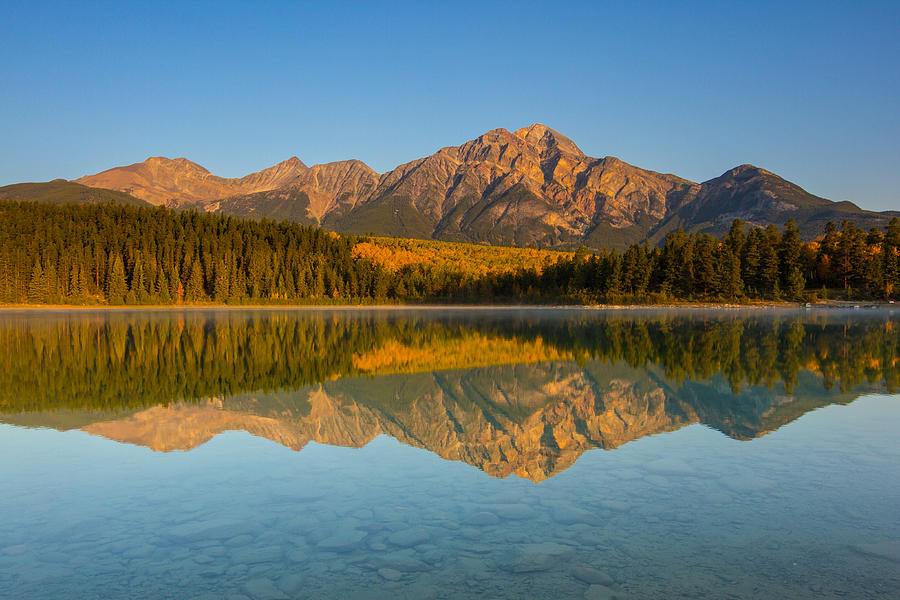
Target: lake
[{"x": 450, "y": 453}]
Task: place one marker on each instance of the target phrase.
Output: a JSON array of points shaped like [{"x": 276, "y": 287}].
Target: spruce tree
[{"x": 116, "y": 288}]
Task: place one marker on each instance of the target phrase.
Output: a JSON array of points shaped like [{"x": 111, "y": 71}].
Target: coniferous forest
[{"x": 112, "y": 254}]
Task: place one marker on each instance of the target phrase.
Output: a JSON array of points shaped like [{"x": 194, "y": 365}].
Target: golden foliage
[
  {"x": 470, "y": 259},
  {"x": 466, "y": 352}
]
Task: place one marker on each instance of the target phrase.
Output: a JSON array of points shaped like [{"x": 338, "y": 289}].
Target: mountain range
[{"x": 530, "y": 187}]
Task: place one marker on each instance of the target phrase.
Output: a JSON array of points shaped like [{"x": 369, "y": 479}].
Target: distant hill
[
  {"x": 532, "y": 187},
  {"x": 60, "y": 191}
]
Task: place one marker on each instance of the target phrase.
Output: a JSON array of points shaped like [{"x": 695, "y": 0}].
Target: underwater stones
[
  {"x": 342, "y": 540},
  {"x": 262, "y": 588},
  {"x": 408, "y": 538},
  {"x": 591, "y": 576},
  {"x": 390, "y": 574},
  {"x": 483, "y": 519}
]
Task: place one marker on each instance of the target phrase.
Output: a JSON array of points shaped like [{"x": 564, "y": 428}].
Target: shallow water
[{"x": 410, "y": 454}]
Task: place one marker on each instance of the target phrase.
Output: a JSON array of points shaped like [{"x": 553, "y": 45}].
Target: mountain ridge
[{"x": 529, "y": 187}]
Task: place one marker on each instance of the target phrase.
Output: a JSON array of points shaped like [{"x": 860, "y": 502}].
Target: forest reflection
[{"x": 514, "y": 391}]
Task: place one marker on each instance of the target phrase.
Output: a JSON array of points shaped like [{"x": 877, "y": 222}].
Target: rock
[
  {"x": 239, "y": 540},
  {"x": 889, "y": 550},
  {"x": 263, "y": 589},
  {"x": 291, "y": 584},
  {"x": 591, "y": 576},
  {"x": 342, "y": 541},
  {"x": 539, "y": 557},
  {"x": 253, "y": 555},
  {"x": 568, "y": 515},
  {"x": 746, "y": 483},
  {"x": 206, "y": 530},
  {"x": 390, "y": 574},
  {"x": 409, "y": 537},
  {"x": 402, "y": 561},
  {"x": 514, "y": 512},
  {"x": 601, "y": 592},
  {"x": 670, "y": 466},
  {"x": 482, "y": 519}
]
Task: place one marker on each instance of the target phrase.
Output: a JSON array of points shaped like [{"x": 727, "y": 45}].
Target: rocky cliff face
[{"x": 533, "y": 186}]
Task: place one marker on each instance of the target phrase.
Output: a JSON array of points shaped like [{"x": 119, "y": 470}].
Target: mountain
[
  {"x": 160, "y": 180},
  {"x": 530, "y": 187},
  {"x": 760, "y": 197},
  {"x": 316, "y": 195},
  {"x": 60, "y": 191}
]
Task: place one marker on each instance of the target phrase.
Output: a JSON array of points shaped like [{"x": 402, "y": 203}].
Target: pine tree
[
  {"x": 220, "y": 287},
  {"x": 193, "y": 289},
  {"x": 116, "y": 288},
  {"x": 38, "y": 290},
  {"x": 792, "y": 281}
]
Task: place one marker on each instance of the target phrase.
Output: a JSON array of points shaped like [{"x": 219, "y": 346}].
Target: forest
[{"x": 112, "y": 254}]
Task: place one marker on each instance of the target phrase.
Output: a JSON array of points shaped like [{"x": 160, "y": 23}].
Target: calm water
[{"x": 450, "y": 454}]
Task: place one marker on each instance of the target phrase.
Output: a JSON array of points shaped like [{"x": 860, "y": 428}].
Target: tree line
[
  {"x": 744, "y": 264},
  {"x": 110, "y": 254}
]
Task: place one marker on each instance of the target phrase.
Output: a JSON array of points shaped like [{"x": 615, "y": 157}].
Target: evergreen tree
[
  {"x": 116, "y": 288},
  {"x": 38, "y": 290}
]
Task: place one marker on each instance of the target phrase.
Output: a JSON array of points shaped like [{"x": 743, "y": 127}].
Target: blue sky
[{"x": 807, "y": 90}]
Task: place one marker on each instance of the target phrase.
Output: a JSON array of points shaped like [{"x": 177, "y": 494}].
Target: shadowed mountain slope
[{"x": 60, "y": 191}]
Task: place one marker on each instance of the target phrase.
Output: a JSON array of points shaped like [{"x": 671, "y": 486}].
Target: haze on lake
[{"x": 450, "y": 453}]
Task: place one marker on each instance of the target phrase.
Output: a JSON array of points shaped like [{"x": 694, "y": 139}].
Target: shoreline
[{"x": 431, "y": 307}]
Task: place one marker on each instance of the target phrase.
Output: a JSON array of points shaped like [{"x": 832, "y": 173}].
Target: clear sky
[{"x": 810, "y": 91}]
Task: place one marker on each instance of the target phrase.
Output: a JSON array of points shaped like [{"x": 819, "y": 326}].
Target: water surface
[{"x": 450, "y": 454}]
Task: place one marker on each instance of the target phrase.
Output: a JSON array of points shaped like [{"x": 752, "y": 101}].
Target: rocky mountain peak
[{"x": 548, "y": 140}]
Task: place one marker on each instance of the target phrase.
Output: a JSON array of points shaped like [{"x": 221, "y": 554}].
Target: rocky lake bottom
[{"x": 810, "y": 510}]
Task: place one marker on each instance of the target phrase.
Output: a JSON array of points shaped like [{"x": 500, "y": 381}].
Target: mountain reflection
[{"x": 523, "y": 392}]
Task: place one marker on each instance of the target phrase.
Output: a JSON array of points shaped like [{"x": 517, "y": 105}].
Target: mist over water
[{"x": 514, "y": 453}]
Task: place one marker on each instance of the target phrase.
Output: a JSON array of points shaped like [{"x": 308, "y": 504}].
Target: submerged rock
[
  {"x": 514, "y": 511},
  {"x": 539, "y": 557},
  {"x": 601, "y": 592},
  {"x": 569, "y": 515},
  {"x": 889, "y": 550},
  {"x": 409, "y": 537},
  {"x": 592, "y": 576},
  {"x": 342, "y": 541},
  {"x": 482, "y": 519},
  {"x": 390, "y": 574},
  {"x": 263, "y": 589}
]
